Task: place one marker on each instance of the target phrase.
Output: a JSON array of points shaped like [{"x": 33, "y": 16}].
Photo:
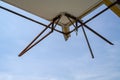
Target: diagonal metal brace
[
  {"x": 83, "y": 24},
  {"x": 35, "y": 41},
  {"x": 88, "y": 43},
  {"x": 90, "y": 19}
]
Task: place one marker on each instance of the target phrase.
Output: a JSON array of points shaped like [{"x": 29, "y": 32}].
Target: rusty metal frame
[{"x": 55, "y": 22}]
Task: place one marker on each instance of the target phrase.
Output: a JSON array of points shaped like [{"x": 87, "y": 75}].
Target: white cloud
[
  {"x": 97, "y": 76},
  {"x": 4, "y": 76}
]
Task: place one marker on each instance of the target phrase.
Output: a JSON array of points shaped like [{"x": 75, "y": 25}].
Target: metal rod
[
  {"x": 33, "y": 43},
  {"x": 56, "y": 21},
  {"x": 71, "y": 22},
  {"x": 22, "y": 16},
  {"x": 88, "y": 42},
  {"x": 77, "y": 28},
  {"x": 83, "y": 24},
  {"x": 97, "y": 33},
  {"x": 96, "y": 15},
  {"x": 74, "y": 25},
  {"x": 29, "y": 19},
  {"x": 102, "y": 11}
]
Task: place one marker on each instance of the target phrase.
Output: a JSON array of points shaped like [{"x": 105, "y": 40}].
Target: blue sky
[{"x": 54, "y": 58}]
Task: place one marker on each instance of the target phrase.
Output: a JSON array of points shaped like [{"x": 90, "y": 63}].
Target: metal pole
[
  {"x": 29, "y": 18},
  {"x": 88, "y": 42},
  {"x": 118, "y": 1},
  {"x": 97, "y": 33},
  {"x": 31, "y": 46},
  {"x": 33, "y": 43}
]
